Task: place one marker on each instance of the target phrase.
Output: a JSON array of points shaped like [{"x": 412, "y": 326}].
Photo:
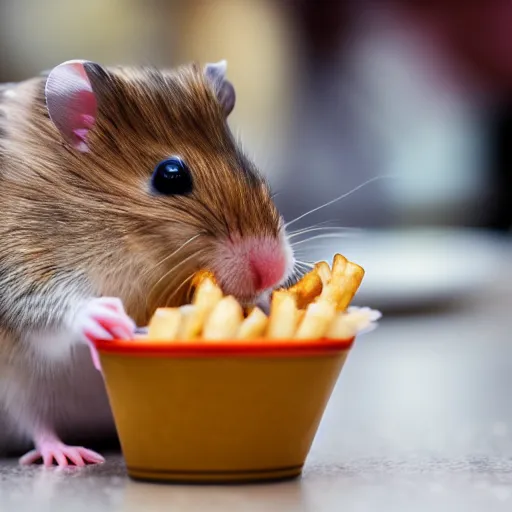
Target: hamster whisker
[
  {"x": 316, "y": 237},
  {"x": 324, "y": 224},
  {"x": 339, "y": 198},
  {"x": 303, "y": 266},
  {"x": 183, "y": 283},
  {"x": 302, "y": 270},
  {"x": 169, "y": 256},
  {"x": 170, "y": 272},
  {"x": 299, "y": 269},
  {"x": 306, "y": 264},
  {"x": 312, "y": 229}
]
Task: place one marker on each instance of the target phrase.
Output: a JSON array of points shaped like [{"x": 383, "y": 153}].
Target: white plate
[{"x": 411, "y": 268}]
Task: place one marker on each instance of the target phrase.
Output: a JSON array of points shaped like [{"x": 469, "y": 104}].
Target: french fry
[
  {"x": 200, "y": 276},
  {"x": 283, "y": 315},
  {"x": 309, "y": 287},
  {"x": 187, "y": 309},
  {"x": 315, "y": 307},
  {"x": 362, "y": 319},
  {"x": 196, "y": 281},
  {"x": 224, "y": 321},
  {"x": 207, "y": 295},
  {"x": 354, "y": 321},
  {"x": 319, "y": 316},
  {"x": 345, "y": 280},
  {"x": 323, "y": 271},
  {"x": 164, "y": 324},
  {"x": 341, "y": 328},
  {"x": 253, "y": 326},
  {"x": 339, "y": 264},
  {"x": 373, "y": 315},
  {"x": 349, "y": 283},
  {"x": 332, "y": 293}
]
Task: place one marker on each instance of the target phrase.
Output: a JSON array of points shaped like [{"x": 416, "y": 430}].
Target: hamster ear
[
  {"x": 216, "y": 74},
  {"x": 71, "y": 102}
]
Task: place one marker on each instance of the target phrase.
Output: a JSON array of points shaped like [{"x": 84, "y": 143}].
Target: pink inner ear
[
  {"x": 80, "y": 119},
  {"x": 71, "y": 103}
]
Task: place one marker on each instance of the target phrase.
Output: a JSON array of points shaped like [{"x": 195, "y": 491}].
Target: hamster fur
[{"x": 88, "y": 247}]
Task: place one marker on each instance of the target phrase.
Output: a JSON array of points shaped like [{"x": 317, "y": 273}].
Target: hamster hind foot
[
  {"x": 97, "y": 318},
  {"x": 49, "y": 448}
]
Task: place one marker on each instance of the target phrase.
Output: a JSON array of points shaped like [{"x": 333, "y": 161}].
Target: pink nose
[{"x": 267, "y": 268}]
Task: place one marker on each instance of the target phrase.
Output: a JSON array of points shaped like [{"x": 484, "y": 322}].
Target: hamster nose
[
  {"x": 267, "y": 268},
  {"x": 247, "y": 266}
]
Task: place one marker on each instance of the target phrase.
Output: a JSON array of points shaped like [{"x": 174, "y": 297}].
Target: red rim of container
[{"x": 147, "y": 347}]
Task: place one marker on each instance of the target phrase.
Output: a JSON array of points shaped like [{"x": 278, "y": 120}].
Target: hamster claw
[
  {"x": 103, "y": 318},
  {"x": 63, "y": 455},
  {"x": 95, "y": 357}
]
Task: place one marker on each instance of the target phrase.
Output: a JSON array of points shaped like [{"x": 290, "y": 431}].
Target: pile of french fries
[{"x": 316, "y": 307}]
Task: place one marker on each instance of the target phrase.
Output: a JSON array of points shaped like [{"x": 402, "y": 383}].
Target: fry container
[{"x": 219, "y": 412}]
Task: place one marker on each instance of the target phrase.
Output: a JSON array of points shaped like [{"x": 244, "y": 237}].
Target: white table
[{"x": 421, "y": 419}]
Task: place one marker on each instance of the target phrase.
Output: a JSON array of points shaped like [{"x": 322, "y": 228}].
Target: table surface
[{"x": 421, "y": 419}]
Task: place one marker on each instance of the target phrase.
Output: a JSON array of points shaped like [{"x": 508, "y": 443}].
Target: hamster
[{"x": 116, "y": 185}]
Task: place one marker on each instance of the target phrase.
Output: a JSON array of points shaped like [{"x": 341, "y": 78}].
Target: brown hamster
[{"x": 116, "y": 186}]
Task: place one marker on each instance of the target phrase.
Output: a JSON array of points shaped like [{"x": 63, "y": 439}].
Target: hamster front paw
[{"x": 103, "y": 318}]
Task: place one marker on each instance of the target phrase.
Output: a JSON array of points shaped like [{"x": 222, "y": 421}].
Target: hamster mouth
[{"x": 251, "y": 267}]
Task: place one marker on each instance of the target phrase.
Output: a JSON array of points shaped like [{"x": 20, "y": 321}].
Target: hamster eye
[{"x": 172, "y": 177}]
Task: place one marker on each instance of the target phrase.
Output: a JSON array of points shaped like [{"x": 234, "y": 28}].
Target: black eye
[{"x": 172, "y": 177}]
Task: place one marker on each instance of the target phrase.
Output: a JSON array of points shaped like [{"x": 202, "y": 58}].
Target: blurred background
[{"x": 410, "y": 101}]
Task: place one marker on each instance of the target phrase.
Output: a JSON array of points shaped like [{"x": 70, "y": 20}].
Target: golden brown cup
[{"x": 228, "y": 411}]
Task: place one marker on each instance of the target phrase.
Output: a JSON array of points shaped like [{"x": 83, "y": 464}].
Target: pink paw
[
  {"x": 63, "y": 455},
  {"x": 103, "y": 318}
]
